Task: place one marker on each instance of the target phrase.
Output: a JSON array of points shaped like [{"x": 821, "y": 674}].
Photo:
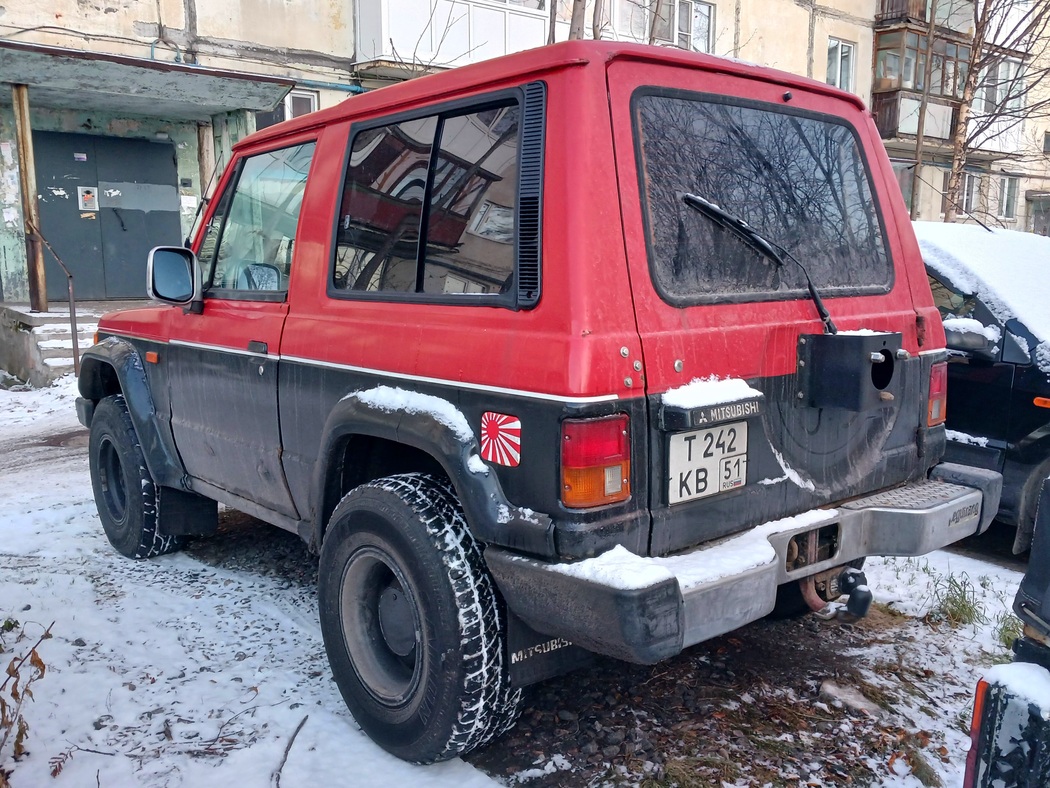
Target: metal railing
[{"x": 37, "y": 237}]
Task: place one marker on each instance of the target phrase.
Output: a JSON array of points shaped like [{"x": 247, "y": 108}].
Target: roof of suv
[{"x": 537, "y": 61}]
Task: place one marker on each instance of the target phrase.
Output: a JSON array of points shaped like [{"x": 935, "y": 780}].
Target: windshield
[{"x": 797, "y": 179}]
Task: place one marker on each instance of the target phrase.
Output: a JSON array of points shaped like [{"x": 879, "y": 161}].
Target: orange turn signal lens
[
  {"x": 152, "y": 357},
  {"x": 1041, "y": 402}
]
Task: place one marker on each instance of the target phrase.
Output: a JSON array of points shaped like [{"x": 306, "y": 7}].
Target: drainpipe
[
  {"x": 315, "y": 83},
  {"x": 30, "y": 207}
]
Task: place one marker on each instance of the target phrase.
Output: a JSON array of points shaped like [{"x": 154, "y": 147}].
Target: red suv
[{"x": 590, "y": 348}]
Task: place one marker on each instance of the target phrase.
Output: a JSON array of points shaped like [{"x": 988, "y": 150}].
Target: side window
[
  {"x": 382, "y": 207},
  {"x": 249, "y": 242},
  {"x": 429, "y": 206},
  {"x": 949, "y": 302}
]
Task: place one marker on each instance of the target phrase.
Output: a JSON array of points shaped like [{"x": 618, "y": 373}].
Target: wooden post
[{"x": 30, "y": 207}]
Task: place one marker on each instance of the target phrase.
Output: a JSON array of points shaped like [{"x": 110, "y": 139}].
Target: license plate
[{"x": 707, "y": 462}]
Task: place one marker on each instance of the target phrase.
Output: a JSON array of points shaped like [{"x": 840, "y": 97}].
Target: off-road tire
[
  {"x": 125, "y": 493},
  {"x": 428, "y": 680}
]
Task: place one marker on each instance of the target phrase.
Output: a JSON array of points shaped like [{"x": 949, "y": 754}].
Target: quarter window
[
  {"x": 249, "y": 242},
  {"x": 429, "y": 205}
]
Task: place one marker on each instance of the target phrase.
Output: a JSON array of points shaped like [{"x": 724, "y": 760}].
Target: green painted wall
[{"x": 14, "y": 286}]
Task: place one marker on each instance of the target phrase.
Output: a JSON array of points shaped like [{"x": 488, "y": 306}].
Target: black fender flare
[
  {"x": 123, "y": 359},
  {"x": 492, "y": 519}
]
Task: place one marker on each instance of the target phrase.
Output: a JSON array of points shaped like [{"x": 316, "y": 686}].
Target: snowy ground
[{"x": 185, "y": 671}]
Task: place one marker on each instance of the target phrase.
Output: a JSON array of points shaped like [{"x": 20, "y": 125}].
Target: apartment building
[{"x": 134, "y": 103}]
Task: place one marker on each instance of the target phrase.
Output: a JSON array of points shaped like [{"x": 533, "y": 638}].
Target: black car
[
  {"x": 1010, "y": 732},
  {"x": 998, "y": 412}
]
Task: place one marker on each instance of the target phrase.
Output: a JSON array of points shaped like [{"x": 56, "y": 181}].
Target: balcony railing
[{"x": 901, "y": 10}]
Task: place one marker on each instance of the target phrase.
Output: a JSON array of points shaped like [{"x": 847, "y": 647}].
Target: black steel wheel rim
[
  {"x": 112, "y": 481},
  {"x": 381, "y": 625}
]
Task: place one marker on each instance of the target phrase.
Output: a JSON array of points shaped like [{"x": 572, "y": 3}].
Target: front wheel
[
  {"x": 412, "y": 622},
  {"x": 125, "y": 494}
]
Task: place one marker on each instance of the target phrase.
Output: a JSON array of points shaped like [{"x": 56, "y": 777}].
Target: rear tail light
[
  {"x": 938, "y": 394},
  {"x": 970, "y": 780},
  {"x": 595, "y": 461}
]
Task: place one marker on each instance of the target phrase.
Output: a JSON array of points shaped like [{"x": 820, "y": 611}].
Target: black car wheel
[
  {"x": 125, "y": 493},
  {"x": 412, "y": 622}
]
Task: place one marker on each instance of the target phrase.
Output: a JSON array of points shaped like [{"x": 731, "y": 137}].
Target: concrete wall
[{"x": 309, "y": 39}]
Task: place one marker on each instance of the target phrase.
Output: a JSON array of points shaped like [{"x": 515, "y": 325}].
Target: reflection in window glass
[
  {"x": 448, "y": 183},
  {"x": 258, "y": 228},
  {"x": 470, "y": 229},
  {"x": 799, "y": 181},
  {"x": 378, "y": 235}
]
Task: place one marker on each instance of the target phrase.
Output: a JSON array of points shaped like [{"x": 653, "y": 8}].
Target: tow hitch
[{"x": 820, "y": 590}]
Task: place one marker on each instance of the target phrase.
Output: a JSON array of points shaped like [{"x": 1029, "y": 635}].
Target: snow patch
[
  {"x": 617, "y": 568},
  {"x": 1026, "y": 681},
  {"x": 391, "y": 400},
  {"x": 863, "y": 332},
  {"x": 962, "y": 437},
  {"x": 701, "y": 392},
  {"x": 967, "y": 325},
  {"x": 476, "y": 465},
  {"x": 792, "y": 474}
]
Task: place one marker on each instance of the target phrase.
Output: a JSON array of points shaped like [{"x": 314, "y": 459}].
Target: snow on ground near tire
[{"x": 181, "y": 673}]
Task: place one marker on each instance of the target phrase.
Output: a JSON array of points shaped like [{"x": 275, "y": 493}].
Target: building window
[
  {"x": 297, "y": 103},
  {"x": 696, "y": 25},
  {"x": 840, "y": 64},
  {"x": 1001, "y": 87},
  {"x": 945, "y": 177},
  {"x": 686, "y": 23},
  {"x": 1008, "y": 198},
  {"x": 1046, "y": 142},
  {"x": 900, "y": 63},
  {"x": 971, "y": 193}
]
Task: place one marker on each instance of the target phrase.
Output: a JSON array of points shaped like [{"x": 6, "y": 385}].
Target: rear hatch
[{"x": 756, "y": 413}]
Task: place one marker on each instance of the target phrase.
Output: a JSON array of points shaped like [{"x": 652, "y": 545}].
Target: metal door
[{"x": 104, "y": 203}]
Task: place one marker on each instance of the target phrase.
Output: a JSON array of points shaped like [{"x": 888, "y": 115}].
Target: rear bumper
[{"x": 647, "y": 609}]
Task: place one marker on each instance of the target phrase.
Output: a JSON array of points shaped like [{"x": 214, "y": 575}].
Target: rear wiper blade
[{"x": 756, "y": 241}]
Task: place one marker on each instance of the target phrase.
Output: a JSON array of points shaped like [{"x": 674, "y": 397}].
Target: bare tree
[{"x": 1006, "y": 80}]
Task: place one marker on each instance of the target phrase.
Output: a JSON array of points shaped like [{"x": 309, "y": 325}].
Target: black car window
[
  {"x": 950, "y": 302},
  {"x": 798, "y": 179}
]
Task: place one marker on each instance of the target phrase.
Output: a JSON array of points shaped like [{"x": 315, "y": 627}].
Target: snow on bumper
[{"x": 647, "y": 609}]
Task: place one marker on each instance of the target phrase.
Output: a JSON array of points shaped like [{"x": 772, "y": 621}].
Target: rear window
[{"x": 797, "y": 178}]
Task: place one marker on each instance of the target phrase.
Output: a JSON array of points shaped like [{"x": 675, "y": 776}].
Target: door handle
[{"x": 257, "y": 347}]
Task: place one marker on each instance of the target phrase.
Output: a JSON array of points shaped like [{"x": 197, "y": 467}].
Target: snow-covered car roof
[{"x": 1008, "y": 270}]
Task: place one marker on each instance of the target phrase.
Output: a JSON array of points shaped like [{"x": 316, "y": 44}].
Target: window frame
[
  {"x": 230, "y": 190},
  {"x": 971, "y": 202},
  {"x": 842, "y": 44},
  {"x": 509, "y": 299},
  {"x": 685, "y": 301},
  {"x": 1006, "y": 200},
  {"x": 694, "y": 6}
]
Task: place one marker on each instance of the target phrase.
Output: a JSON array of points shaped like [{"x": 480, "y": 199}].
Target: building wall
[{"x": 309, "y": 40}]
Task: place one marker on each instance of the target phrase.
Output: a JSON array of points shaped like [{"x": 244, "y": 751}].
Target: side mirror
[
  {"x": 970, "y": 336},
  {"x": 173, "y": 275}
]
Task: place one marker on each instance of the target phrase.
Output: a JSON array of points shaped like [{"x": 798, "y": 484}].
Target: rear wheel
[
  {"x": 412, "y": 621},
  {"x": 125, "y": 493}
]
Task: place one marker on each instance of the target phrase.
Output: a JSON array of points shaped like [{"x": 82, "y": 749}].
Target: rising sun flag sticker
[{"x": 501, "y": 439}]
